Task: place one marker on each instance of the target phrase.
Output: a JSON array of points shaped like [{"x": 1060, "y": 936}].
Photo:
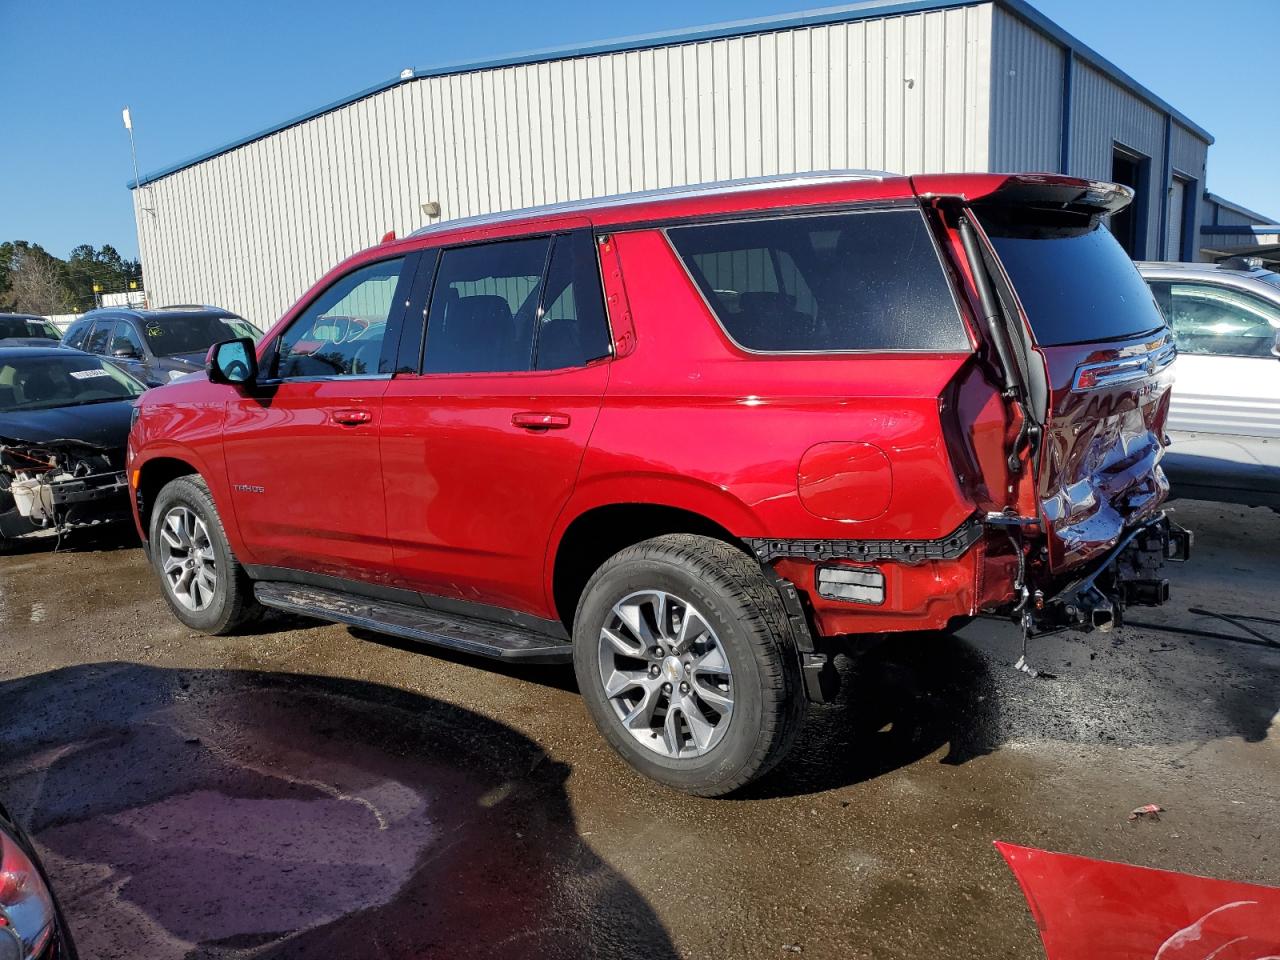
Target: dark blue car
[{"x": 159, "y": 345}]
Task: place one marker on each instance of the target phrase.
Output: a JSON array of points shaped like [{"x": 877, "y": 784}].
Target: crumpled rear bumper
[{"x": 1129, "y": 574}]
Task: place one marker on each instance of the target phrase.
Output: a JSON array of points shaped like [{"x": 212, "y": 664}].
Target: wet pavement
[{"x": 310, "y": 791}]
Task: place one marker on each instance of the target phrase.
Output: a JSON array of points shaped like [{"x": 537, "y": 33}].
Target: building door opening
[
  {"x": 1130, "y": 224},
  {"x": 1181, "y": 225}
]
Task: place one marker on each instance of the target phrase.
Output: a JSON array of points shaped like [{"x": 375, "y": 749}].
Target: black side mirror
[
  {"x": 1275, "y": 347},
  {"x": 232, "y": 361}
]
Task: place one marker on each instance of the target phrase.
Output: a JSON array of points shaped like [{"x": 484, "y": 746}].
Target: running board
[{"x": 466, "y": 634}]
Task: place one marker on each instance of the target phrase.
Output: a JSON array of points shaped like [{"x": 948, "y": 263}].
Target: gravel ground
[{"x": 311, "y": 791}]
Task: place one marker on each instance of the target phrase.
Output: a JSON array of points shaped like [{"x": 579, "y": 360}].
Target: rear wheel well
[
  {"x": 598, "y": 534},
  {"x": 155, "y": 474}
]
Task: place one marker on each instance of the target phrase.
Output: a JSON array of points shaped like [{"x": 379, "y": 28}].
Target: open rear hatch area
[{"x": 1094, "y": 367}]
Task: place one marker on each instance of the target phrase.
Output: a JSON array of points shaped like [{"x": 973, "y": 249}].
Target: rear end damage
[
  {"x": 47, "y": 489},
  {"x": 1083, "y": 357}
]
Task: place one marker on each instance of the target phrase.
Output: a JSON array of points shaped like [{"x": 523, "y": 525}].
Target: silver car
[{"x": 1224, "y": 418}]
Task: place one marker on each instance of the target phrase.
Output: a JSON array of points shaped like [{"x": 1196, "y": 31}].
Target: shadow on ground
[{"x": 233, "y": 814}]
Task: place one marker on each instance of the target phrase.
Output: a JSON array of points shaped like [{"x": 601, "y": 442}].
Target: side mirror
[
  {"x": 232, "y": 361},
  {"x": 1275, "y": 347}
]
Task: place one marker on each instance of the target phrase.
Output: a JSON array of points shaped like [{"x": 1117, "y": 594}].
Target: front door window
[{"x": 1218, "y": 320}]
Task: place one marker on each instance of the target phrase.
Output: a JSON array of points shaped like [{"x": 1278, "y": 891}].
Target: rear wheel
[
  {"x": 686, "y": 664},
  {"x": 204, "y": 584}
]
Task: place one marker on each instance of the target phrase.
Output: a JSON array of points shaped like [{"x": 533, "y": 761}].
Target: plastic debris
[{"x": 1148, "y": 811}]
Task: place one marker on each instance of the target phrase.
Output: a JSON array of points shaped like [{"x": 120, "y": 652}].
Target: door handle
[
  {"x": 540, "y": 421},
  {"x": 351, "y": 418}
]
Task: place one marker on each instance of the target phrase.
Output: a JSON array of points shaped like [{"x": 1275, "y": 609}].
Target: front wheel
[
  {"x": 685, "y": 662},
  {"x": 204, "y": 584}
]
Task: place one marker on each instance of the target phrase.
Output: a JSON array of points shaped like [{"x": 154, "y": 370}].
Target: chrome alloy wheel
[
  {"x": 665, "y": 674},
  {"x": 187, "y": 560}
]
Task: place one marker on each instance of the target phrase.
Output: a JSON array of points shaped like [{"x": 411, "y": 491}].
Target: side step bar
[{"x": 468, "y": 635}]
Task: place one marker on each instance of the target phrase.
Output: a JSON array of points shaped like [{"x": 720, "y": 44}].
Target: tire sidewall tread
[
  {"x": 234, "y": 603},
  {"x": 729, "y": 587}
]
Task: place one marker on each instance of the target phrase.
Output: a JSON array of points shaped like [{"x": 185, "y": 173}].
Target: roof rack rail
[{"x": 773, "y": 181}]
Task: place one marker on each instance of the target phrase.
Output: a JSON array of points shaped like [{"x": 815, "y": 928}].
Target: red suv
[{"x": 693, "y": 441}]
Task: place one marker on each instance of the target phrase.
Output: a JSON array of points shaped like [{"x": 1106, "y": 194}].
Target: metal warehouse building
[{"x": 930, "y": 85}]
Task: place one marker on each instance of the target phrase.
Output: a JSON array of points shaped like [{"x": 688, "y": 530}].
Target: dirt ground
[{"x": 310, "y": 791}]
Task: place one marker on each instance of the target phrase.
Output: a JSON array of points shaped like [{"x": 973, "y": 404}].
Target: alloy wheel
[
  {"x": 187, "y": 560},
  {"x": 665, "y": 674}
]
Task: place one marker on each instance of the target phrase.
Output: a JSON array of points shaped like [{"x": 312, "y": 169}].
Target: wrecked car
[
  {"x": 691, "y": 441},
  {"x": 64, "y": 424}
]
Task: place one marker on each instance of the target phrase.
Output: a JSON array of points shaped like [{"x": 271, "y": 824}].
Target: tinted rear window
[
  {"x": 1076, "y": 283},
  {"x": 28, "y": 327},
  {"x": 828, "y": 283}
]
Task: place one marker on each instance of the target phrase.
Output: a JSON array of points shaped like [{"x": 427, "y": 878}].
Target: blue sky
[{"x": 199, "y": 74}]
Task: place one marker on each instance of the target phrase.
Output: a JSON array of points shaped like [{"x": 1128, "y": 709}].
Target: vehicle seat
[
  {"x": 478, "y": 334},
  {"x": 769, "y": 317},
  {"x": 8, "y": 396},
  {"x": 559, "y": 345}
]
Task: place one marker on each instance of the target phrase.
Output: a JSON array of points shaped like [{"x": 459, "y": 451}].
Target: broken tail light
[{"x": 26, "y": 906}]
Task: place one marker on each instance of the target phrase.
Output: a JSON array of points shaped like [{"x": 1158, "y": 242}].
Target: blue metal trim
[
  {"x": 866, "y": 9},
  {"x": 1247, "y": 229},
  {"x": 1166, "y": 185},
  {"x": 1190, "y": 211}
]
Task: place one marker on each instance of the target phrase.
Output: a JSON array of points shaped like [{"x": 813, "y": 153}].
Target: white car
[{"x": 1224, "y": 417}]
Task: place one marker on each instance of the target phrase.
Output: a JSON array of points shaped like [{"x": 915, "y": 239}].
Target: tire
[
  {"x": 230, "y": 603},
  {"x": 703, "y": 580}
]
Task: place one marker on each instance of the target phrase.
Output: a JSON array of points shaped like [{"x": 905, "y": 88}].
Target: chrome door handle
[
  {"x": 532, "y": 420},
  {"x": 351, "y": 418}
]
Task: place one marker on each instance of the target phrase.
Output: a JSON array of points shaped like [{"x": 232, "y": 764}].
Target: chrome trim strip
[{"x": 1128, "y": 370}]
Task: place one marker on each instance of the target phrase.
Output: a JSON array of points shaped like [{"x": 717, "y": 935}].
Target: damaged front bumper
[{"x": 1127, "y": 575}]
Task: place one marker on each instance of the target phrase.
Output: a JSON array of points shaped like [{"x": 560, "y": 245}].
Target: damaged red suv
[{"x": 692, "y": 441}]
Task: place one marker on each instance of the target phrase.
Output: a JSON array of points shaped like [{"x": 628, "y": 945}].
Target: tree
[
  {"x": 105, "y": 267},
  {"x": 36, "y": 281}
]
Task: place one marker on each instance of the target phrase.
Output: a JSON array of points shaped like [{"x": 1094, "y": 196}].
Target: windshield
[
  {"x": 25, "y": 327},
  {"x": 194, "y": 332},
  {"x": 1076, "y": 283},
  {"x": 41, "y": 382}
]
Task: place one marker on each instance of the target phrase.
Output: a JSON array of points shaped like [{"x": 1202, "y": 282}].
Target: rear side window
[
  {"x": 483, "y": 307},
  {"x": 77, "y": 334},
  {"x": 1075, "y": 282},
  {"x": 850, "y": 281},
  {"x": 572, "y": 329},
  {"x": 101, "y": 336}
]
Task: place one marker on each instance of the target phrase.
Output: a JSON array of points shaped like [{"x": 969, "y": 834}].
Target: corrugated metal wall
[
  {"x": 1026, "y": 97},
  {"x": 251, "y": 229}
]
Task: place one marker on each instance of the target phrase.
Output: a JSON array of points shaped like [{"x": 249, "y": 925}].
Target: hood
[
  {"x": 29, "y": 342},
  {"x": 102, "y": 425}
]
